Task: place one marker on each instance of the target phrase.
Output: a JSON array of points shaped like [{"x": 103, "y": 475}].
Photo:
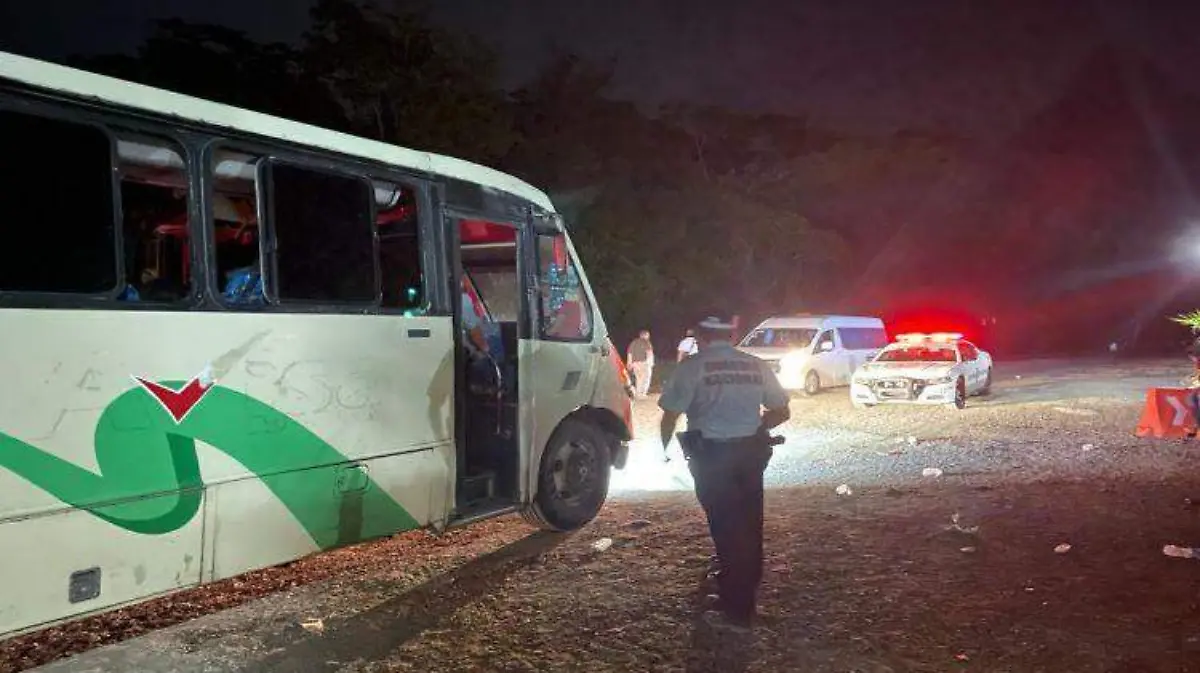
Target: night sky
[{"x": 974, "y": 67}]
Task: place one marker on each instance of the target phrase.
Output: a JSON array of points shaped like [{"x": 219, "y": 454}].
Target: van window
[
  {"x": 826, "y": 337},
  {"x": 863, "y": 338},
  {"x": 779, "y": 337}
]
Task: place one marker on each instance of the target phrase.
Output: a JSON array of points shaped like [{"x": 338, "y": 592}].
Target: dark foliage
[{"x": 692, "y": 210}]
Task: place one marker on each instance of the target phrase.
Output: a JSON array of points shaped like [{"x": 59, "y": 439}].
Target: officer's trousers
[{"x": 729, "y": 486}]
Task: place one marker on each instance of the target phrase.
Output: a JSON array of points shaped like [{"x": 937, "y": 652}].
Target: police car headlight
[
  {"x": 793, "y": 361},
  {"x": 940, "y": 381},
  {"x": 859, "y": 379}
]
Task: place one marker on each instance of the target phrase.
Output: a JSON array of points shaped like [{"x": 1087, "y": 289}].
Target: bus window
[
  {"x": 234, "y": 210},
  {"x": 324, "y": 236},
  {"x": 399, "y": 248},
  {"x": 57, "y": 203},
  {"x": 155, "y": 233},
  {"x": 566, "y": 311}
]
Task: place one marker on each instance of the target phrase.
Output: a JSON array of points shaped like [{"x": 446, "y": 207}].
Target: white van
[{"x": 811, "y": 352}]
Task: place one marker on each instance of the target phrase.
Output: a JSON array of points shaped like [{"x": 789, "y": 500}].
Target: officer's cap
[{"x": 716, "y": 325}]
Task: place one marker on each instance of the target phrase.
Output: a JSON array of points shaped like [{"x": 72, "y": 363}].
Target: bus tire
[{"x": 572, "y": 477}]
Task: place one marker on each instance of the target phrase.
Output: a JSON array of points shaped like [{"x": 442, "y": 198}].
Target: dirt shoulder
[{"x": 877, "y": 581}]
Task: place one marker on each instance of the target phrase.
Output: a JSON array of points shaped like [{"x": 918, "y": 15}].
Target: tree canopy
[
  {"x": 690, "y": 209},
  {"x": 674, "y": 223}
]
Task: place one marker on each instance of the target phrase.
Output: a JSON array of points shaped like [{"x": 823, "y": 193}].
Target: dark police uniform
[{"x": 723, "y": 391}]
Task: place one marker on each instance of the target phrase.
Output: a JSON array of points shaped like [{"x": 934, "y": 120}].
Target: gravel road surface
[{"x": 1044, "y": 419}]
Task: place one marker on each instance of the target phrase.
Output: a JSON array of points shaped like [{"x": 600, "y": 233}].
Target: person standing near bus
[
  {"x": 687, "y": 347},
  {"x": 640, "y": 359},
  {"x": 723, "y": 392}
]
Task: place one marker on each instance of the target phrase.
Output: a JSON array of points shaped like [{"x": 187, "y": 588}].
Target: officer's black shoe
[
  {"x": 714, "y": 602},
  {"x": 725, "y": 621}
]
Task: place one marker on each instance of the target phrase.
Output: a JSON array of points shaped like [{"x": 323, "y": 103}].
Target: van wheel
[
  {"x": 812, "y": 384},
  {"x": 572, "y": 478}
]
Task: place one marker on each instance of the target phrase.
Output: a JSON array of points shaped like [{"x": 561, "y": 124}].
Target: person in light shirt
[
  {"x": 640, "y": 360},
  {"x": 687, "y": 347}
]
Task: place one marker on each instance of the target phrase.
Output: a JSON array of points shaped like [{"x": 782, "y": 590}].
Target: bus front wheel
[{"x": 572, "y": 478}]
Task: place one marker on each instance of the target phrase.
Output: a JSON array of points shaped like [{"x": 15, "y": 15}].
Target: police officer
[{"x": 724, "y": 392}]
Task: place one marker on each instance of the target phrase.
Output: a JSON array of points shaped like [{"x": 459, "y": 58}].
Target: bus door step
[{"x": 480, "y": 486}]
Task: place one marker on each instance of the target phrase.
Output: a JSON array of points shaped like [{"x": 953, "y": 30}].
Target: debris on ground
[
  {"x": 316, "y": 626},
  {"x": 967, "y": 550},
  {"x": 638, "y": 524},
  {"x": 1062, "y": 548},
  {"x": 1180, "y": 552},
  {"x": 1088, "y": 447},
  {"x": 603, "y": 544},
  {"x": 932, "y": 472},
  {"x": 959, "y": 528},
  {"x": 844, "y": 489},
  {"x": 1077, "y": 411}
]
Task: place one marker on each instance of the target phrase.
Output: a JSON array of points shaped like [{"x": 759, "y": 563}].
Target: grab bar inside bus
[{"x": 499, "y": 393}]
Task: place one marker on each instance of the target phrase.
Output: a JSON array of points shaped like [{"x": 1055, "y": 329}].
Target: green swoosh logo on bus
[{"x": 149, "y": 474}]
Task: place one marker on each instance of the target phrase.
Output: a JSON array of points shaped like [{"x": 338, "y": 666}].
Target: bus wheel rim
[{"x": 572, "y": 471}]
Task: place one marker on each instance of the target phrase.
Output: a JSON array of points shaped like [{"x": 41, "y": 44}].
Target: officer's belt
[{"x": 733, "y": 440}]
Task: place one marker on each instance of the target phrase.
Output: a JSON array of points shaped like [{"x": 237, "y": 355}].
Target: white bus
[{"x": 229, "y": 340}]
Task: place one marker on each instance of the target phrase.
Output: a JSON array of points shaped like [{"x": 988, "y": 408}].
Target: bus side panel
[
  {"x": 250, "y": 528},
  {"x": 296, "y": 401},
  {"x": 292, "y": 392},
  {"x": 38, "y": 557}
]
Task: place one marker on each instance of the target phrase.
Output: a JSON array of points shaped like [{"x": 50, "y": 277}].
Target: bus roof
[{"x": 81, "y": 84}]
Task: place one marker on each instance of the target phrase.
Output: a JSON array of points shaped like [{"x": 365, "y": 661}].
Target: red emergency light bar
[{"x": 936, "y": 337}]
